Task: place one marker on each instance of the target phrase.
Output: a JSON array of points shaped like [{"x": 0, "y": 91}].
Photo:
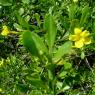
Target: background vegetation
[{"x": 40, "y": 60}]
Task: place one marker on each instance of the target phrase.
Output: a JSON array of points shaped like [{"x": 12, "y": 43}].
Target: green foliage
[
  {"x": 25, "y": 1},
  {"x": 6, "y": 2},
  {"x": 50, "y": 27},
  {"x": 33, "y": 43},
  {"x": 29, "y": 43},
  {"x": 84, "y": 16},
  {"x": 40, "y": 60},
  {"x": 64, "y": 49}
]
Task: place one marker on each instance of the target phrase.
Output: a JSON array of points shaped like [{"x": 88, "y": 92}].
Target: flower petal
[
  {"x": 77, "y": 30},
  {"x": 87, "y": 40},
  {"x": 5, "y": 27},
  {"x": 85, "y": 33},
  {"x": 79, "y": 44},
  {"x": 72, "y": 37},
  {"x": 5, "y": 31}
]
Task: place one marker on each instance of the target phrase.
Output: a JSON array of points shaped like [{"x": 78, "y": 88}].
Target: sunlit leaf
[
  {"x": 33, "y": 43},
  {"x": 50, "y": 27},
  {"x": 29, "y": 43},
  {"x": 67, "y": 65},
  {"x": 64, "y": 49}
]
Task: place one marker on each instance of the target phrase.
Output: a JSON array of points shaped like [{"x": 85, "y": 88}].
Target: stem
[
  {"x": 54, "y": 89},
  {"x": 89, "y": 65},
  {"x": 84, "y": 57}
]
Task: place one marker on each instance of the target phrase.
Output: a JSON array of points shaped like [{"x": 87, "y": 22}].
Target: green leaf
[
  {"x": 64, "y": 49},
  {"x": 39, "y": 43},
  {"x": 26, "y": 1},
  {"x": 67, "y": 87},
  {"x": 38, "y": 83},
  {"x": 82, "y": 55},
  {"x": 18, "y": 27},
  {"x": 63, "y": 74},
  {"x": 5, "y": 2},
  {"x": 22, "y": 21},
  {"x": 21, "y": 11},
  {"x": 50, "y": 75},
  {"x": 33, "y": 43},
  {"x": 67, "y": 65},
  {"x": 72, "y": 11},
  {"x": 50, "y": 27},
  {"x": 29, "y": 43},
  {"x": 84, "y": 16},
  {"x": 37, "y": 16},
  {"x": 35, "y": 92},
  {"x": 27, "y": 18}
]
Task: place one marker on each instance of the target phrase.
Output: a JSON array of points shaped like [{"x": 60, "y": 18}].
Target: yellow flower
[
  {"x": 6, "y": 31},
  {"x": 80, "y": 38}
]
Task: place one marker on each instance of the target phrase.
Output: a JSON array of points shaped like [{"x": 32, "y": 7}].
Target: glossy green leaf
[
  {"x": 29, "y": 43},
  {"x": 64, "y": 49},
  {"x": 33, "y": 43},
  {"x": 39, "y": 43},
  {"x": 50, "y": 27}
]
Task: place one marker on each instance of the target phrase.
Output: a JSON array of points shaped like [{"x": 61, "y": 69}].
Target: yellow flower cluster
[
  {"x": 80, "y": 38},
  {"x": 6, "y": 31}
]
